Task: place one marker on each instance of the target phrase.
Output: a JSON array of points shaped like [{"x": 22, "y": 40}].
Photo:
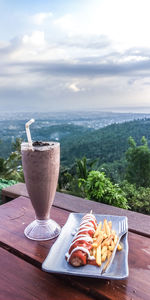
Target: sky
[{"x": 74, "y": 55}]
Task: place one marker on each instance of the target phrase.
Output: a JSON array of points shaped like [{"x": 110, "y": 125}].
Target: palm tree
[{"x": 84, "y": 166}]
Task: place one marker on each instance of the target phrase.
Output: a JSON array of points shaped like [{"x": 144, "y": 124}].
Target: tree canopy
[{"x": 138, "y": 163}]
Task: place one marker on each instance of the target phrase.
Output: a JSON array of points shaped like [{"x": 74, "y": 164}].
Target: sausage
[
  {"x": 78, "y": 258},
  {"x": 79, "y": 251}
]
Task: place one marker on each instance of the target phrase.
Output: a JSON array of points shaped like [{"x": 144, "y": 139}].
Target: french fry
[
  {"x": 104, "y": 256},
  {"x": 112, "y": 246},
  {"x": 104, "y": 249},
  {"x": 108, "y": 260},
  {"x": 106, "y": 228},
  {"x": 98, "y": 256},
  {"x": 94, "y": 252},
  {"x": 109, "y": 254},
  {"x": 107, "y": 241},
  {"x": 110, "y": 225},
  {"x": 115, "y": 239},
  {"x": 98, "y": 229},
  {"x": 99, "y": 240},
  {"x": 104, "y": 236},
  {"x": 104, "y": 242},
  {"x": 104, "y": 225},
  {"x": 119, "y": 247}
]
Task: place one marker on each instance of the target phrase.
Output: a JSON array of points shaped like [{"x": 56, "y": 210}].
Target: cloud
[
  {"x": 87, "y": 41},
  {"x": 25, "y": 48},
  {"x": 65, "y": 22},
  {"x": 38, "y": 19},
  {"x": 71, "y": 71},
  {"x": 74, "y": 87},
  {"x": 90, "y": 69},
  {"x": 36, "y": 39},
  {"x": 8, "y": 48},
  {"x": 79, "y": 69},
  {"x": 36, "y": 55}
]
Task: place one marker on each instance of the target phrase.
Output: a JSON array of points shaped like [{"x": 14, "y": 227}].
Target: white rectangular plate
[{"x": 56, "y": 262}]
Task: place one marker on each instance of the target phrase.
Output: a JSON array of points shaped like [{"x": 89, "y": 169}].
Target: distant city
[
  {"x": 65, "y": 127},
  {"x": 94, "y": 119},
  {"x": 12, "y": 124}
]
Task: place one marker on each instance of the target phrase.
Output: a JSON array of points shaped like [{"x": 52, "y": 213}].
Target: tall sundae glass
[{"x": 41, "y": 162}]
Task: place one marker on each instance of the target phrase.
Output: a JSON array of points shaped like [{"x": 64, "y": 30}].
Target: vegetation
[
  {"x": 11, "y": 168},
  {"x": 107, "y": 144},
  {"x": 69, "y": 177},
  {"x": 5, "y": 183},
  {"x": 99, "y": 188},
  {"x": 98, "y": 165},
  {"x": 138, "y": 163},
  {"x": 138, "y": 198}
]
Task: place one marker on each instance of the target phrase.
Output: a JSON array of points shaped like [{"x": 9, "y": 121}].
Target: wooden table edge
[
  {"x": 76, "y": 204},
  {"x": 90, "y": 291}
]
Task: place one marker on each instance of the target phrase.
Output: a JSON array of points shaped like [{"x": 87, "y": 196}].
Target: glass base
[{"x": 42, "y": 230}]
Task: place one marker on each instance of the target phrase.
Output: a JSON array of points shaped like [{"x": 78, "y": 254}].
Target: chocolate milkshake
[{"x": 41, "y": 170}]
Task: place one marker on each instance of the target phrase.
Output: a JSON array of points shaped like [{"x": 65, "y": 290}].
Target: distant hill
[
  {"x": 107, "y": 144},
  {"x": 62, "y": 132}
]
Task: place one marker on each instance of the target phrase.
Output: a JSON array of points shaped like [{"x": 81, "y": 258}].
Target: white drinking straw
[{"x": 28, "y": 132}]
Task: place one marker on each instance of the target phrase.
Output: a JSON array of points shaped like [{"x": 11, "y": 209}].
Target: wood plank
[
  {"x": 20, "y": 280},
  {"x": 138, "y": 223},
  {"x": 14, "y": 216},
  {"x": 14, "y": 191}
]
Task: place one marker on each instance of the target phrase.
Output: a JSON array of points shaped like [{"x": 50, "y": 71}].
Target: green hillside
[
  {"x": 107, "y": 144},
  {"x": 48, "y": 133},
  {"x": 84, "y": 177}
]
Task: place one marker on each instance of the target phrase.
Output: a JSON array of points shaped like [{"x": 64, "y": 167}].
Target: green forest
[{"x": 109, "y": 165}]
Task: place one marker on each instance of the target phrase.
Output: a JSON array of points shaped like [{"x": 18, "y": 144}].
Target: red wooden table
[{"x": 21, "y": 276}]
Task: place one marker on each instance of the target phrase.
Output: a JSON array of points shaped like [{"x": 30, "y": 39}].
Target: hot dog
[{"x": 79, "y": 251}]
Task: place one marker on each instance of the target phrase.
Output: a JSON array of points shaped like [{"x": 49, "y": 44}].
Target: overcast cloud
[{"x": 77, "y": 56}]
